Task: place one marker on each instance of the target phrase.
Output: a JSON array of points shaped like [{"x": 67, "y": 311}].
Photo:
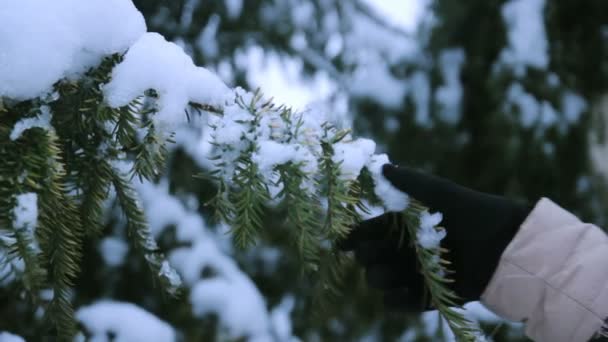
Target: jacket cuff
[{"x": 553, "y": 277}]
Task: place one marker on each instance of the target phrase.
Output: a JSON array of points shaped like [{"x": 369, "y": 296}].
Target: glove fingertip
[
  {"x": 403, "y": 300},
  {"x": 388, "y": 170},
  {"x": 393, "y": 174},
  {"x": 345, "y": 245}
]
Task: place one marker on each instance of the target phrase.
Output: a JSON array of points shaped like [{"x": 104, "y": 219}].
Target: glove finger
[
  {"x": 377, "y": 252},
  {"x": 430, "y": 190},
  {"x": 377, "y": 228},
  {"x": 404, "y": 300},
  {"x": 386, "y": 276}
]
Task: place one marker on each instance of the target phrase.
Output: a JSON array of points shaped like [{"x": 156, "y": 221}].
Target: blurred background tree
[{"x": 505, "y": 97}]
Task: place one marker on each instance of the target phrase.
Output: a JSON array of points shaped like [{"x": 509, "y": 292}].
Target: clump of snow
[
  {"x": 302, "y": 13},
  {"x": 113, "y": 251},
  {"x": 528, "y": 106},
  {"x": 206, "y": 40},
  {"x": 541, "y": 113},
  {"x": 526, "y": 34},
  {"x": 434, "y": 321},
  {"x": 274, "y": 137},
  {"x": 168, "y": 272},
  {"x": 280, "y": 320},
  {"x": 392, "y": 198},
  {"x": 449, "y": 95},
  {"x": 376, "y": 82},
  {"x": 573, "y": 105},
  {"x": 154, "y": 63},
  {"x": 126, "y": 321},
  {"x": 237, "y": 302},
  {"x": 226, "y": 290},
  {"x": 72, "y": 36},
  {"x": 548, "y": 114},
  {"x": 479, "y": 312},
  {"x": 41, "y": 121},
  {"x": 26, "y": 211},
  {"x": 369, "y": 40},
  {"x": 271, "y": 153},
  {"x": 428, "y": 236},
  {"x": 8, "y": 337},
  {"x": 353, "y": 156},
  {"x": 373, "y": 48},
  {"x": 234, "y": 8},
  {"x": 420, "y": 92}
]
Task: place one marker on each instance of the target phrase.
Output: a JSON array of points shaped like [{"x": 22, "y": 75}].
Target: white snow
[
  {"x": 234, "y": 8},
  {"x": 154, "y": 63},
  {"x": 128, "y": 322},
  {"x": 188, "y": 9},
  {"x": 449, "y": 95},
  {"x": 8, "y": 337},
  {"x": 368, "y": 41},
  {"x": 548, "y": 114},
  {"x": 58, "y": 39},
  {"x": 41, "y": 121},
  {"x": 276, "y": 138},
  {"x": 353, "y": 156},
  {"x": 405, "y": 14},
  {"x": 428, "y": 236},
  {"x": 375, "y": 81},
  {"x": 168, "y": 272},
  {"x": 529, "y": 108},
  {"x": 271, "y": 154},
  {"x": 237, "y": 302},
  {"x": 420, "y": 92},
  {"x": 302, "y": 13},
  {"x": 25, "y": 214},
  {"x": 479, "y": 312},
  {"x": 281, "y": 321},
  {"x": 113, "y": 250},
  {"x": 526, "y": 34},
  {"x": 226, "y": 291},
  {"x": 206, "y": 40},
  {"x": 282, "y": 77},
  {"x": 392, "y": 198},
  {"x": 573, "y": 105}
]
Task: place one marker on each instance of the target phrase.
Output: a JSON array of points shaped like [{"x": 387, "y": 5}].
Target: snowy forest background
[{"x": 507, "y": 97}]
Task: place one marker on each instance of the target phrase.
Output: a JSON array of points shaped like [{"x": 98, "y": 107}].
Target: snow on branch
[{"x": 114, "y": 89}]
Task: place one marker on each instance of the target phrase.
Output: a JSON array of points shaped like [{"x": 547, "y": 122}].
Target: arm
[{"x": 539, "y": 264}]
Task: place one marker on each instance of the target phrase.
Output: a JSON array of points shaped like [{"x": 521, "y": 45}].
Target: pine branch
[
  {"x": 433, "y": 270},
  {"x": 248, "y": 198},
  {"x": 303, "y": 213},
  {"x": 140, "y": 236},
  {"x": 150, "y": 153},
  {"x": 98, "y": 175},
  {"x": 34, "y": 275},
  {"x": 341, "y": 197},
  {"x": 333, "y": 268},
  {"x": 61, "y": 235}
]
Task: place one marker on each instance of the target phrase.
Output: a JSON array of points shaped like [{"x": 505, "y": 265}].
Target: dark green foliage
[
  {"x": 68, "y": 167},
  {"x": 248, "y": 201},
  {"x": 303, "y": 214}
]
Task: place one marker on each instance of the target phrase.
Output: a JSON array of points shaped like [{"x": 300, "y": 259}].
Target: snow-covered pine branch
[{"x": 99, "y": 110}]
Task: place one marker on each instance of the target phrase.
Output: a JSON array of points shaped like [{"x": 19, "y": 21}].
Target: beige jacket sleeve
[{"x": 553, "y": 276}]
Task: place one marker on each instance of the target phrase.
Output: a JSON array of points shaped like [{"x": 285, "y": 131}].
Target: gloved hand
[{"x": 479, "y": 227}]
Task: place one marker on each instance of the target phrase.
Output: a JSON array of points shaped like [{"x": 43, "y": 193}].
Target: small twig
[{"x": 206, "y": 107}]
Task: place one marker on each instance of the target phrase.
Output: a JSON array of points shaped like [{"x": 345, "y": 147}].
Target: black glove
[{"x": 479, "y": 227}]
